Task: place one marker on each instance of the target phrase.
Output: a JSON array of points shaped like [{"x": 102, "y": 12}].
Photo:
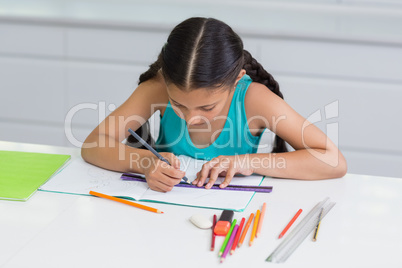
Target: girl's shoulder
[
  {"x": 152, "y": 91},
  {"x": 258, "y": 96},
  {"x": 260, "y": 104}
]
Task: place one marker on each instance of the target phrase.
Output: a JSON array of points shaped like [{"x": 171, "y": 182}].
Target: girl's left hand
[{"x": 223, "y": 165}]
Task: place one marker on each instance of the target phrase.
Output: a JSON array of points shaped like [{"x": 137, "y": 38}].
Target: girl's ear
[{"x": 242, "y": 72}]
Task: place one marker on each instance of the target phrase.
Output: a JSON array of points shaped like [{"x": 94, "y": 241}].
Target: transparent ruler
[{"x": 300, "y": 232}]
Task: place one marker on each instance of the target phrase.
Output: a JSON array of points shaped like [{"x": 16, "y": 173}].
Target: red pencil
[
  {"x": 213, "y": 234},
  {"x": 290, "y": 223},
  {"x": 236, "y": 240}
]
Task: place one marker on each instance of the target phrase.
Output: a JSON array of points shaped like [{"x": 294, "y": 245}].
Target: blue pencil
[{"x": 149, "y": 147}]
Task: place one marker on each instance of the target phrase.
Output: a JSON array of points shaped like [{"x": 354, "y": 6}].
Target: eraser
[
  {"x": 201, "y": 221},
  {"x": 223, "y": 225}
]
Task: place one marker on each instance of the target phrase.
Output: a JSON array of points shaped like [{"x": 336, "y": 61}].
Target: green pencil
[{"x": 225, "y": 242}]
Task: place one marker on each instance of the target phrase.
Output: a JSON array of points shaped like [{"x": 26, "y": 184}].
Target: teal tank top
[{"x": 235, "y": 138}]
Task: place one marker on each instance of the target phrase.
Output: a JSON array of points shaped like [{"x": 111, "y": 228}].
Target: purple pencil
[{"x": 230, "y": 242}]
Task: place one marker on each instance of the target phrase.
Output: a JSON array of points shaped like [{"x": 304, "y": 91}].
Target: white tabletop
[{"x": 62, "y": 230}]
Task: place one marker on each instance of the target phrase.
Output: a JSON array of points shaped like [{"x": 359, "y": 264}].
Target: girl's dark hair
[{"x": 207, "y": 53}]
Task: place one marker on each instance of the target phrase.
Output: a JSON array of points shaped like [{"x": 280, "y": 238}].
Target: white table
[{"x": 61, "y": 230}]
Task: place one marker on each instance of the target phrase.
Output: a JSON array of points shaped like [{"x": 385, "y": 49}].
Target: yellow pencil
[
  {"x": 264, "y": 206},
  {"x": 257, "y": 216},
  {"x": 124, "y": 201},
  {"x": 318, "y": 225}
]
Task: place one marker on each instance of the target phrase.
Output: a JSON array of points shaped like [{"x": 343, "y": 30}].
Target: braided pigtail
[
  {"x": 258, "y": 74},
  {"x": 151, "y": 72}
]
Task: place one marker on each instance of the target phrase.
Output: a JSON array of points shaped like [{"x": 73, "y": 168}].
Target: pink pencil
[{"x": 264, "y": 206}]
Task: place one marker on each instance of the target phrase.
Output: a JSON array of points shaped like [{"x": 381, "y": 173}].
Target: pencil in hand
[{"x": 149, "y": 147}]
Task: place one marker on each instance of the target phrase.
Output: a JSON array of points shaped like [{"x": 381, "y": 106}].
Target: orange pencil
[
  {"x": 125, "y": 202},
  {"x": 264, "y": 206},
  {"x": 243, "y": 235},
  {"x": 257, "y": 217}
]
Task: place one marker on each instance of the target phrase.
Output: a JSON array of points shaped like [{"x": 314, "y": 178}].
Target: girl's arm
[
  {"x": 315, "y": 156},
  {"x": 103, "y": 146}
]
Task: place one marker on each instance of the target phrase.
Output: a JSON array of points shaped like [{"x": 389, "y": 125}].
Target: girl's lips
[{"x": 200, "y": 124}]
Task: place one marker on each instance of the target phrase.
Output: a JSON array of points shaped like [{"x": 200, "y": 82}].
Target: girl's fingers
[
  {"x": 213, "y": 176},
  {"x": 175, "y": 162},
  {"x": 216, "y": 167},
  {"x": 162, "y": 183},
  {"x": 172, "y": 159},
  {"x": 174, "y": 169},
  {"x": 203, "y": 174},
  {"x": 164, "y": 179},
  {"x": 161, "y": 187},
  {"x": 195, "y": 181},
  {"x": 200, "y": 181},
  {"x": 228, "y": 178},
  {"x": 173, "y": 172}
]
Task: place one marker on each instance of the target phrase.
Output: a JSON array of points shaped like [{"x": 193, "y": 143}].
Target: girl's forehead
[{"x": 196, "y": 97}]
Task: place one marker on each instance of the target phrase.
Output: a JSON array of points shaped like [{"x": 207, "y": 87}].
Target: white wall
[{"x": 346, "y": 56}]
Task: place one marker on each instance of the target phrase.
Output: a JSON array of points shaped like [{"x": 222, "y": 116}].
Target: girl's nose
[{"x": 194, "y": 119}]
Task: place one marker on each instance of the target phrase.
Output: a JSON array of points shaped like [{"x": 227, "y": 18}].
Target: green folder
[{"x": 22, "y": 173}]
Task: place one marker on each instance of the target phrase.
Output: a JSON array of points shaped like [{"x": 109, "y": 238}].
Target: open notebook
[{"x": 80, "y": 177}]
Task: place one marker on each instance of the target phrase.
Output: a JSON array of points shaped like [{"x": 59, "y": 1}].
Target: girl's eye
[
  {"x": 208, "y": 109},
  {"x": 178, "y": 105}
]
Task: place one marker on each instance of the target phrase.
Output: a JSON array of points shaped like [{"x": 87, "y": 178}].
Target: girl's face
[{"x": 198, "y": 107}]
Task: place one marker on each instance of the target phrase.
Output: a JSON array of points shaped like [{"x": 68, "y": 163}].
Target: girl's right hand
[{"x": 162, "y": 177}]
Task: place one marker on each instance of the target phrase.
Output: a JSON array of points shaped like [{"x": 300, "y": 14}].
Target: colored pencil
[
  {"x": 318, "y": 225},
  {"x": 261, "y": 220},
  {"x": 231, "y": 240},
  {"x": 149, "y": 147},
  {"x": 290, "y": 223},
  {"x": 256, "y": 219},
  {"x": 236, "y": 240},
  {"x": 213, "y": 234},
  {"x": 124, "y": 201},
  {"x": 225, "y": 242},
  {"x": 243, "y": 235}
]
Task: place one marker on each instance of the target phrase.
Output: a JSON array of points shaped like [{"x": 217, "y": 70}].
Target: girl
[{"x": 215, "y": 101}]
